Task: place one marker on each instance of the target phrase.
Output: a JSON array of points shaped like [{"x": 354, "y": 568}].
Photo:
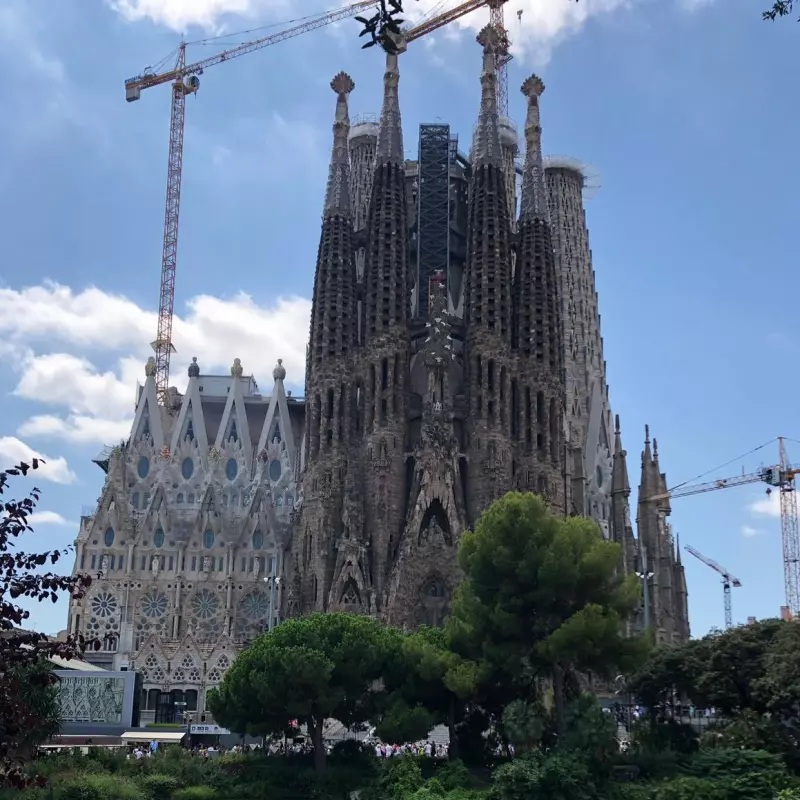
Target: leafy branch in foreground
[{"x": 25, "y": 678}]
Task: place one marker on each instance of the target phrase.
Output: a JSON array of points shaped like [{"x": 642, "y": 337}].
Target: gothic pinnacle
[
  {"x": 533, "y": 203},
  {"x": 390, "y": 131},
  {"x": 486, "y": 144},
  {"x": 337, "y": 195}
]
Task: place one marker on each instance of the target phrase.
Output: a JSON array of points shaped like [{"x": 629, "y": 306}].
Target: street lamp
[
  {"x": 273, "y": 581},
  {"x": 645, "y": 576}
]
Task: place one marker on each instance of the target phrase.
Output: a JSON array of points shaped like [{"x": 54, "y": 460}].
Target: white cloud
[
  {"x": 749, "y": 531},
  {"x": 541, "y": 21},
  {"x": 95, "y": 406},
  {"x": 768, "y": 506},
  {"x": 14, "y": 451},
  {"x": 48, "y": 518},
  {"x": 181, "y": 14}
]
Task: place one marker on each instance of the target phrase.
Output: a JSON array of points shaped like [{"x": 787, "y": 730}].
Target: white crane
[{"x": 728, "y": 582}]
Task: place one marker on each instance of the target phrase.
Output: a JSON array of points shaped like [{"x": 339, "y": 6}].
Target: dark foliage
[
  {"x": 384, "y": 27},
  {"x": 22, "y": 652},
  {"x": 781, "y": 8}
]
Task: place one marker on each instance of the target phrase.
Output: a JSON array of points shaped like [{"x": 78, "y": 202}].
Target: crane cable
[{"x": 726, "y": 464}]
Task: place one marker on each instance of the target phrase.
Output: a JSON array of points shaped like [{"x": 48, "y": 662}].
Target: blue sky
[{"x": 686, "y": 109}]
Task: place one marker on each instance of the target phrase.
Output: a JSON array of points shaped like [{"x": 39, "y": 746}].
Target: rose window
[
  {"x": 223, "y": 662},
  {"x": 255, "y": 605},
  {"x": 104, "y": 604},
  {"x": 205, "y": 604},
  {"x": 154, "y": 604},
  {"x": 215, "y": 676}
]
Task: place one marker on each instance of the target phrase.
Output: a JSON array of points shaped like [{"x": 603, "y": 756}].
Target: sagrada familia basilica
[{"x": 431, "y": 390}]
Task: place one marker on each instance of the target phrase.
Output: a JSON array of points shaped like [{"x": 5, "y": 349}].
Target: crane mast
[
  {"x": 502, "y": 56},
  {"x": 780, "y": 476},
  {"x": 728, "y": 582}
]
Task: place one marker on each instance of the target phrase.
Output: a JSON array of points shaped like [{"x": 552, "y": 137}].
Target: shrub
[
  {"x": 197, "y": 793},
  {"x": 99, "y": 787},
  {"x": 400, "y": 779},
  {"x": 688, "y": 788},
  {"x": 454, "y": 775},
  {"x": 158, "y": 787},
  {"x": 533, "y": 777}
]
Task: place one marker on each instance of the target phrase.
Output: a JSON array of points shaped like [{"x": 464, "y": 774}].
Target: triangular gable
[
  {"x": 190, "y": 420},
  {"x": 278, "y": 419},
  {"x": 157, "y": 513},
  {"x": 234, "y": 425},
  {"x": 148, "y": 416}
]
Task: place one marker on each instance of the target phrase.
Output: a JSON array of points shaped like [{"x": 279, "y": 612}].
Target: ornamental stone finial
[
  {"x": 279, "y": 373},
  {"x": 236, "y": 369},
  {"x": 150, "y": 367},
  {"x": 194, "y": 368},
  {"x": 533, "y": 87},
  {"x": 647, "y": 434},
  {"x": 488, "y": 39},
  {"x": 342, "y": 83}
]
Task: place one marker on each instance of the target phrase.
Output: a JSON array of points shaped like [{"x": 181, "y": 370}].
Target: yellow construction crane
[
  {"x": 185, "y": 81},
  {"x": 780, "y": 476}
]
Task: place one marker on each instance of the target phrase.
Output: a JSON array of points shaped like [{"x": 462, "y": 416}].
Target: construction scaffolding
[{"x": 433, "y": 208}]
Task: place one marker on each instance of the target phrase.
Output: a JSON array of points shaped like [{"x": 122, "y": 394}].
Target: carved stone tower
[
  {"x": 384, "y": 370},
  {"x": 588, "y": 413},
  {"x": 488, "y": 305},
  {"x": 331, "y": 394},
  {"x": 667, "y": 596},
  {"x": 537, "y": 388}
]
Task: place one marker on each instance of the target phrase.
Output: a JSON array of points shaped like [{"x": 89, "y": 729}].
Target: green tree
[
  {"x": 781, "y": 8},
  {"x": 311, "y": 669},
  {"x": 431, "y": 686},
  {"x": 723, "y": 670},
  {"x": 543, "y": 595}
]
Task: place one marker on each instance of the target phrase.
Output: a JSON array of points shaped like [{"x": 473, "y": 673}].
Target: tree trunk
[
  {"x": 558, "y": 698},
  {"x": 315, "y": 729},
  {"x": 452, "y": 750}
]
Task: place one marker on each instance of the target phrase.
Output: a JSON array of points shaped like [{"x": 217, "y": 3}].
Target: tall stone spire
[
  {"x": 621, "y": 527},
  {"x": 331, "y": 353},
  {"x": 534, "y": 199},
  {"x": 390, "y": 132},
  {"x": 337, "y": 195},
  {"x": 383, "y": 383},
  {"x": 536, "y": 330},
  {"x": 488, "y": 300},
  {"x": 332, "y": 335},
  {"x": 486, "y": 141}
]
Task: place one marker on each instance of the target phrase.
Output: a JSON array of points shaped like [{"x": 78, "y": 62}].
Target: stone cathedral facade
[{"x": 226, "y": 511}]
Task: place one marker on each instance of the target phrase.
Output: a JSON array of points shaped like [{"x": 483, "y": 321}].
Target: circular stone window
[
  {"x": 144, "y": 466},
  {"x": 599, "y": 475},
  {"x": 231, "y": 468},
  {"x": 274, "y": 470},
  {"x": 187, "y": 468}
]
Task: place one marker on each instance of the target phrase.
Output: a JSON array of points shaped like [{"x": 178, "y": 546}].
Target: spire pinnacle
[
  {"x": 486, "y": 143},
  {"x": 390, "y": 132},
  {"x": 337, "y": 195},
  {"x": 534, "y": 203}
]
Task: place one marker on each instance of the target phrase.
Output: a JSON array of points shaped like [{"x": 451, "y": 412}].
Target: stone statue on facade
[
  {"x": 207, "y": 564},
  {"x": 155, "y": 563}
]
